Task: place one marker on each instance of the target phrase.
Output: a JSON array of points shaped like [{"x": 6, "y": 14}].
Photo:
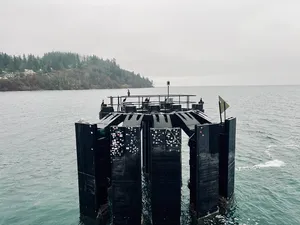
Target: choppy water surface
[{"x": 38, "y": 170}]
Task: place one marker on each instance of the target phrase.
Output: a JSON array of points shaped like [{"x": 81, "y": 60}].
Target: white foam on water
[
  {"x": 272, "y": 163},
  {"x": 268, "y": 153},
  {"x": 243, "y": 168}
]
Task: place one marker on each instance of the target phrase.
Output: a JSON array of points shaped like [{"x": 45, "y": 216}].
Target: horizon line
[{"x": 229, "y": 85}]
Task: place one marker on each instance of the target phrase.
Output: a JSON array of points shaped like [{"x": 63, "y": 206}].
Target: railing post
[
  {"x": 118, "y": 103},
  {"x": 111, "y": 101}
]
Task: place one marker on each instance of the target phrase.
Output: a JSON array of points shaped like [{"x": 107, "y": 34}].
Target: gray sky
[{"x": 190, "y": 42}]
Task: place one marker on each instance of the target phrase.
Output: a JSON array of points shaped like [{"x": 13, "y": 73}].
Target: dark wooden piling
[
  {"x": 165, "y": 175},
  {"x": 126, "y": 199},
  {"x": 227, "y": 159},
  {"x": 205, "y": 165},
  {"x": 85, "y": 143},
  {"x": 93, "y": 171}
]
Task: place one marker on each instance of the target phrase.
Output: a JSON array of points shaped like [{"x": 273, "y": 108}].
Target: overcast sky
[{"x": 189, "y": 42}]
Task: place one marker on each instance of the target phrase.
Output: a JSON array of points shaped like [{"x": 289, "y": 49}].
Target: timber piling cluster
[{"x": 139, "y": 138}]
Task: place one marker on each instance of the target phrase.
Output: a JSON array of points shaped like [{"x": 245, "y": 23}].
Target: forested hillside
[{"x": 63, "y": 71}]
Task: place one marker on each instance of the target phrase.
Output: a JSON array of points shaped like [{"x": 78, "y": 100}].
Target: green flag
[{"x": 223, "y": 105}]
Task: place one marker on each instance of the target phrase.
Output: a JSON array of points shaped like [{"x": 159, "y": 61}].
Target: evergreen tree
[{"x": 82, "y": 72}]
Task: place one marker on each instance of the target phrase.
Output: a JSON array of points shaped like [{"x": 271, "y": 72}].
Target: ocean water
[{"x": 38, "y": 170}]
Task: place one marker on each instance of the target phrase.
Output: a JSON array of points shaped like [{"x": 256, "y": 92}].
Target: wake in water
[{"x": 272, "y": 163}]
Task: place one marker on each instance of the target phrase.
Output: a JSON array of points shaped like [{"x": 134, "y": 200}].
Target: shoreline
[{"x": 83, "y": 89}]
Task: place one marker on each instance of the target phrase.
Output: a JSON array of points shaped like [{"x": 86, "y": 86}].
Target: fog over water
[{"x": 189, "y": 42}]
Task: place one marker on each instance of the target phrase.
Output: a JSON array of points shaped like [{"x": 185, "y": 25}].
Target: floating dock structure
[{"x": 139, "y": 137}]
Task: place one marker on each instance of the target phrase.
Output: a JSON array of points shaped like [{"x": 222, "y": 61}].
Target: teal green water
[{"x": 38, "y": 170}]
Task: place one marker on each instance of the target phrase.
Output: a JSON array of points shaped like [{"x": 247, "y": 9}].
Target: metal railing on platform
[{"x": 140, "y": 100}]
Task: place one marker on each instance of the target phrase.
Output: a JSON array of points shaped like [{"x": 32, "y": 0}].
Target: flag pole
[
  {"x": 224, "y": 111},
  {"x": 220, "y": 111}
]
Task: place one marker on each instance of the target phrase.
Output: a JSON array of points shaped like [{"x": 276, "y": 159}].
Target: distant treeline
[{"x": 61, "y": 70}]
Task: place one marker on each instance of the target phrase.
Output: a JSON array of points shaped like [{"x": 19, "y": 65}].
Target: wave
[{"x": 272, "y": 163}]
